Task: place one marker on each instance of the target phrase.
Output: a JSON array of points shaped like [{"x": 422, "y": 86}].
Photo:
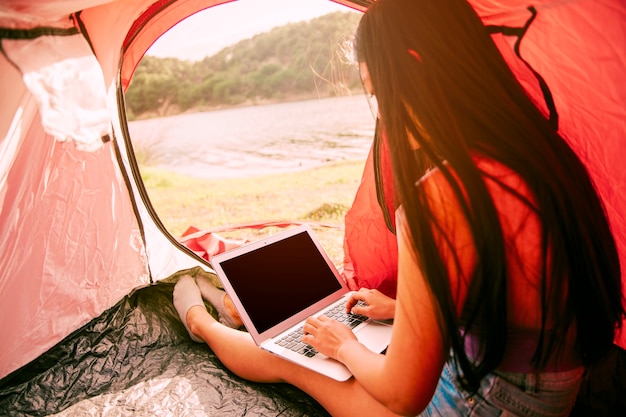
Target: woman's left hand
[{"x": 326, "y": 335}]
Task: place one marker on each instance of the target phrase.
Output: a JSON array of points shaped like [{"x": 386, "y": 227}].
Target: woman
[{"x": 508, "y": 275}]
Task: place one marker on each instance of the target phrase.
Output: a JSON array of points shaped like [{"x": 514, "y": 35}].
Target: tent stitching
[
  {"x": 141, "y": 21},
  {"x": 83, "y": 30},
  {"x": 143, "y": 193},
  {"x": 27, "y": 34}
]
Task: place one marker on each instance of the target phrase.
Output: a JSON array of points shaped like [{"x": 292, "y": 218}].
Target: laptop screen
[{"x": 280, "y": 279}]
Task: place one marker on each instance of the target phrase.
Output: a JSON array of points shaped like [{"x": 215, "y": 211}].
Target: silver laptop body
[{"x": 278, "y": 282}]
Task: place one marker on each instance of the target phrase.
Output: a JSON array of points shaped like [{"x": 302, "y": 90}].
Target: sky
[{"x": 209, "y": 31}]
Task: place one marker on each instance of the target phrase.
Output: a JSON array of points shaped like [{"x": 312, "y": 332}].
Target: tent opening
[{"x": 265, "y": 132}]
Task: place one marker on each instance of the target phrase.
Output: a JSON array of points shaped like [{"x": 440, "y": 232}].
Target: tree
[{"x": 294, "y": 60}]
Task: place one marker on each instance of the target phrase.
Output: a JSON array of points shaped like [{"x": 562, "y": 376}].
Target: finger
[
  {"x": 312, "y": 321},
  {"x": 355, "y": 297},
  {"x": 308, "y": 339},
  {"x": 356, "y": 309},
  {"x": 350, "y": 303},
  {"x": 323, "y": 318},
  {"x": 360, "y": 309}
]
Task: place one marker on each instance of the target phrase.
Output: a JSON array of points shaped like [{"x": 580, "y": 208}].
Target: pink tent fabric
[
  {"x": 76, "y": 234},
  {"x": 370, "y": 248}
]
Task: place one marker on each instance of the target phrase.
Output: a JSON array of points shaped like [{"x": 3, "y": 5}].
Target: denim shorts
[{"x": 507, "y": 394}]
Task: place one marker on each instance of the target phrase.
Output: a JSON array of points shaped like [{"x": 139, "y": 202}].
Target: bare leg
[{"x": 241, "y": 355}]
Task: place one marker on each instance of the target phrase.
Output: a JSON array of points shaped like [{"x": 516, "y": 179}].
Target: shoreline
[
  {"x": 249, "y": 172},
  {"x": 174, "y": 111}
]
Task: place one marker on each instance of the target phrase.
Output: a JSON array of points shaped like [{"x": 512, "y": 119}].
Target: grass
[{"x": 318, "y": 195}]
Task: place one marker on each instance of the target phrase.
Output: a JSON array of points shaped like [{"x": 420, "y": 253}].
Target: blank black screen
[{"x": 280, "y": 279}]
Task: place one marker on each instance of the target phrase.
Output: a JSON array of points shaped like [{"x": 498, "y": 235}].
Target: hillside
[{"x": 295, "y": 61}]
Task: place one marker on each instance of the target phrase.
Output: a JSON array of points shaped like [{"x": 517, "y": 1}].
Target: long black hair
[{"x": 438, "y": 76}]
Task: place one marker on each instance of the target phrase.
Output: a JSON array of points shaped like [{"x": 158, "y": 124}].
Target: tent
[{"x": 86, "y": 262}]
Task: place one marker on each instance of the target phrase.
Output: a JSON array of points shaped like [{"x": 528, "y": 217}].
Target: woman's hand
[
  {"x": 327, "y": 335},
  {"x": 379, "y": 306}
]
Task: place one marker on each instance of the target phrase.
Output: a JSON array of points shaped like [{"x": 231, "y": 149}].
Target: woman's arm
[{"x": 404, "y": 379}]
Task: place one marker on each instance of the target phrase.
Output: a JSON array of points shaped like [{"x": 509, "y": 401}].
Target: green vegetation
[
  {"x": 295, "y": 61},
  {"x": 292, "y": 62},
  {"x": 319, "y": 195}
]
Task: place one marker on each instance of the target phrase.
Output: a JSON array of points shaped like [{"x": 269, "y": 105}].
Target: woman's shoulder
[
  {"x": 493, "y": 168},
  {"x": 436, "y": 182}
]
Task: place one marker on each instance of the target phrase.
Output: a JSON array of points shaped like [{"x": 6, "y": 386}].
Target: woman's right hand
[{"x": 378, "y": 305}]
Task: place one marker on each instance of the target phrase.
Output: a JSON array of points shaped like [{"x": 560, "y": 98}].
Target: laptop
[{"x": 276, "y": 283}]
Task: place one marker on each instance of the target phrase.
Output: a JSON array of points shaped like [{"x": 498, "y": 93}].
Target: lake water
[{"x": 262, "y": 139}]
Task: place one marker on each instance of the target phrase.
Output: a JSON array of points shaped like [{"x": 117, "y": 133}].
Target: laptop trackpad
[{"x": 373, "y": 335}]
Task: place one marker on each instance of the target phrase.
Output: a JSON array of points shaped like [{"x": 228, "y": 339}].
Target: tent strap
[{"x": 519, "y": 32}]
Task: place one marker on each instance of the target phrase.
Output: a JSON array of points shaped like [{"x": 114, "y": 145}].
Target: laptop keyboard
[{"x": 293, "y": 340}]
